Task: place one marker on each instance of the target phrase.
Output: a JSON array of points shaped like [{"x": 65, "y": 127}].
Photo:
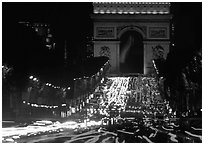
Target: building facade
[{"x": 128, "y": 34}]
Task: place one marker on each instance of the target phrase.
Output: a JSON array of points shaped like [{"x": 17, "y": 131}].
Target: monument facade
[{"x": 127, "y": 33}]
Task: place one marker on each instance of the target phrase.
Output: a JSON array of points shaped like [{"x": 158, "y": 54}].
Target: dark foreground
[{"x": 127, "y": 130}]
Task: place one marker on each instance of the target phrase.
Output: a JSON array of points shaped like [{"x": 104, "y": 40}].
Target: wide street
[{"x": 123, "y": 109}]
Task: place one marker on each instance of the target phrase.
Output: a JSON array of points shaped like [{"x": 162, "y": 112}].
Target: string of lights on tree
[
  {"x": 42, "y": 105},
  {"x": 39, "y": 106},
  {"x": 96, "y": 74},
  {"x": 35, "y": 79},
  {"x": 6, "y": 70},
  {"x": 155, "y": 67}
]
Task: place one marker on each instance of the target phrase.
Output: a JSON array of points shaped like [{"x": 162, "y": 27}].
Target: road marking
[
  {"x": 93, "y": 140},
  {"x": 75, "y": 139},
  {"x": 106, "y": 132},
  {"x": 167, "y": 129},
  {"x": 86, "y": 133},
  {"x": 125, "y": 132},
  {"x": 106, "y": 139},
  {"x": 147, "y": 139},
  {"x": 196, "y": 128},
  {"x": 199, "y": 136},
  {"x": 173, "y": 137}
]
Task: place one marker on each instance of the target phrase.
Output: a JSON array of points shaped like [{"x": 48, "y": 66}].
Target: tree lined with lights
[
  {"x": 183, "y": 85},
  {"x": 181, "y": 77},
  {"x": 24, "y": 51}
]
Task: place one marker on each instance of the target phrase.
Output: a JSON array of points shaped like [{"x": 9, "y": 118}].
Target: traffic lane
[{"x": 92, "y": 136}]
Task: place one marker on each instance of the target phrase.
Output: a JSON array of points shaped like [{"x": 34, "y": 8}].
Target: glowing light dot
[{"x": 31, "y": 77}]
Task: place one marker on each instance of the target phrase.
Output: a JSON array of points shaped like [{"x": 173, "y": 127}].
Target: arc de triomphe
[{"x": 128, "y": 32}]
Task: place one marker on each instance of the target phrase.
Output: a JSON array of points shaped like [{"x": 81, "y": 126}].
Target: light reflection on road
[{"x": 10, "y": 134}]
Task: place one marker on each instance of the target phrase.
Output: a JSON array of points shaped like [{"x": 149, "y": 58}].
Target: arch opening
[{"x": 131, "y": 52}]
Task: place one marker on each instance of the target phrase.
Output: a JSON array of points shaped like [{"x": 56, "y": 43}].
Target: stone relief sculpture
[
  {"x": 158, "y": 52},
  {"x": 105, "y": 51}
]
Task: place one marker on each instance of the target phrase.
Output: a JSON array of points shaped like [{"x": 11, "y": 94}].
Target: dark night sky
[
  {"x": 187, "y": 18},
  {"x": 69, "y": 21},
  {"x": 72, "y": 22},
  {"x": 24, "y": 51}
]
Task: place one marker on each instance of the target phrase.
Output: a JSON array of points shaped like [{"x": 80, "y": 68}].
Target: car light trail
[
  {"x": 116, "y": 93},
  {"x": 10, "y": 134}
]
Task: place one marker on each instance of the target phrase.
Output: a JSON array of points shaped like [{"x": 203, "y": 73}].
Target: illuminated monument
[{"x": 127, "y": 33}]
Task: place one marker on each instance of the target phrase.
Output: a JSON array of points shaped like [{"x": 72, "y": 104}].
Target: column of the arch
[
  {"x": 114, "y": 53},
  {"x": 144, "y": 57},
  {"x": 117, "y": 43},
  {"x": 148, "y": 67},
  {"x": 148, "y": 54}
]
